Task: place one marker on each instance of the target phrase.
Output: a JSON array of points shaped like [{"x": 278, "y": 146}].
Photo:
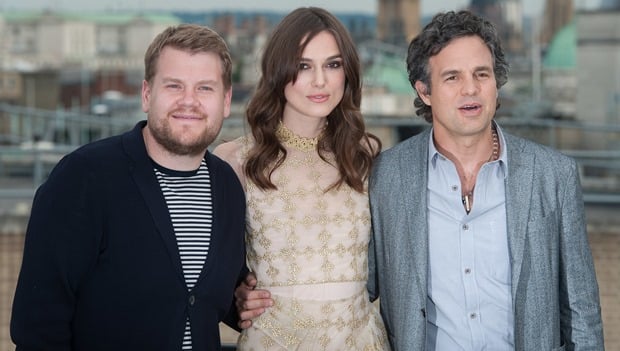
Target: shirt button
[
  {"x": 455, "y": 188},
  {"x": 472, "y": 316},
  {"x": 465, "y": 227},
  {"x": 192, "y": 300},
  {"x": 467, "y": 270}
]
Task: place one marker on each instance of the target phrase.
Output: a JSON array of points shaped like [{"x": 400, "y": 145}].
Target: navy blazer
[
  {"x": 555, "y": 296},
  {"x": 101, "y": 269}
]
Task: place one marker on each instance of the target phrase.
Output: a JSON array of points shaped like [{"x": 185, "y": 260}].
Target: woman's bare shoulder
[
  {"x": 232, "y": 153},
  {"x": 228, "y": 151}
]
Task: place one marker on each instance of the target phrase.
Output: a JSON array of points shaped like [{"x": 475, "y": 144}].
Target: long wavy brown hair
[{"x": 345, "y": 133}]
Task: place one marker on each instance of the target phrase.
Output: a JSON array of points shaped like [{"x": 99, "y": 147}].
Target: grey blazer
[{"x": 554, "y": 288}]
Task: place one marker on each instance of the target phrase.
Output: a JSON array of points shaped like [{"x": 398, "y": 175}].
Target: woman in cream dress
[{"x": 304, "y": 168}]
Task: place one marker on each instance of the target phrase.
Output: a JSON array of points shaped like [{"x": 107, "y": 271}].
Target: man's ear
[
  {"x": 146, "y": 96},
  {"x": 423, "y": 92}
]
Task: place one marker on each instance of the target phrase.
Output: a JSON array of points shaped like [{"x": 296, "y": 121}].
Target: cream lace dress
[{"x": 309, "y": 248}]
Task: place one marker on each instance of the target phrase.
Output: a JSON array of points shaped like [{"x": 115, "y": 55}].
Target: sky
[{"x": 530, "y": 7}]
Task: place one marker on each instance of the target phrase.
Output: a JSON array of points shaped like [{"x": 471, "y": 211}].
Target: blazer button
[{"x": 192, "y": 300}]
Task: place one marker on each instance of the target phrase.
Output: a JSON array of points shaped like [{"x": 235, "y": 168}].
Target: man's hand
[{"x": 251, "y": 302}]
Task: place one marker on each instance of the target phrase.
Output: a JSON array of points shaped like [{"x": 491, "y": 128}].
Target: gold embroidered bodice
[
  {"x": 309, "y": 248},
  {"x": 299, "y": 234}
]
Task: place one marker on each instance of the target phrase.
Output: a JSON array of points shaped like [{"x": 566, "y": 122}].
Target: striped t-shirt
[{"x": 188, "y": 196}]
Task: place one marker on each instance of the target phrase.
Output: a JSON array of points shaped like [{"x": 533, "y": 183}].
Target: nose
[
  {"x": 188, "y": 98},
  {"x": 471, "y": 86},
  {"x": 319, "y": 78}
]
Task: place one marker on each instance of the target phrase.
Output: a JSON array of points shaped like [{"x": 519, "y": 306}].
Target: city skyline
[{"x": 428, "y": 7}]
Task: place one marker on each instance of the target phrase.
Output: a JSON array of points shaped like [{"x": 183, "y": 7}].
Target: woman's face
[{"x": 320, "y": 80}]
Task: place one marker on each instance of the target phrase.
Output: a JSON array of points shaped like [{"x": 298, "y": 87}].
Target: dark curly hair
[{"x": 443, "y": 28}]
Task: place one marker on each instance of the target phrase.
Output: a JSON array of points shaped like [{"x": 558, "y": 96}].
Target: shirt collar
[{"x": 433, "y": 153}]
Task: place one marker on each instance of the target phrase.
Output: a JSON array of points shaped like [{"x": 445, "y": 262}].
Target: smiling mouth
[
  {"x": 186, "y": 115},
  {"x": 470, "y": 107}
]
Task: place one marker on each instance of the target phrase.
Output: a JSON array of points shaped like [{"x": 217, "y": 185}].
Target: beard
[{"x": 181, "y": 143}]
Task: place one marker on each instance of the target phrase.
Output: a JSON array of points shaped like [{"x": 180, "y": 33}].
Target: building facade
[
  {"x": 598, "y": 59},
  {"x": 557, "y": 14},
  {"x": 507, "y": 15},
  {"x": 398, "y": 21},
  {"x": 58, "y": 59}
]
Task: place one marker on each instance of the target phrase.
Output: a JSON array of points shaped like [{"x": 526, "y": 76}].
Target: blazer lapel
[
  {"x": 413, "y": 167},
  {"x": 217, "y": 193},
  {"x": 518, "y": 196},
  {"x": 146, "y": 182}
]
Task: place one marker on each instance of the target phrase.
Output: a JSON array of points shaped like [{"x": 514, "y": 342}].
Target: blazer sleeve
[
  {"x": 230, "y": 188},
  {"x": 372, "y": 284},
  {"x": 232, "y": 318},
  {"x": 580, "y": 312},
  {"x": 61, "y": 245}
]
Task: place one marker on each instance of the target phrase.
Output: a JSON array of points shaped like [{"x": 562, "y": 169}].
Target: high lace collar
[{"x": 288, "y": 138}]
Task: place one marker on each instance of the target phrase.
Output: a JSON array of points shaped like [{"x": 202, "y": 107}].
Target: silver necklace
[{"x": 468, "y": 198}]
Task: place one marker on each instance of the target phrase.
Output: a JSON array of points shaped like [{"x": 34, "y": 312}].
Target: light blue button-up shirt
[{"x": 469, "y": 303}]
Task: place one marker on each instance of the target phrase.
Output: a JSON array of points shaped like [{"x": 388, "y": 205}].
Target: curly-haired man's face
[{"x": 464, "y": 94}]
